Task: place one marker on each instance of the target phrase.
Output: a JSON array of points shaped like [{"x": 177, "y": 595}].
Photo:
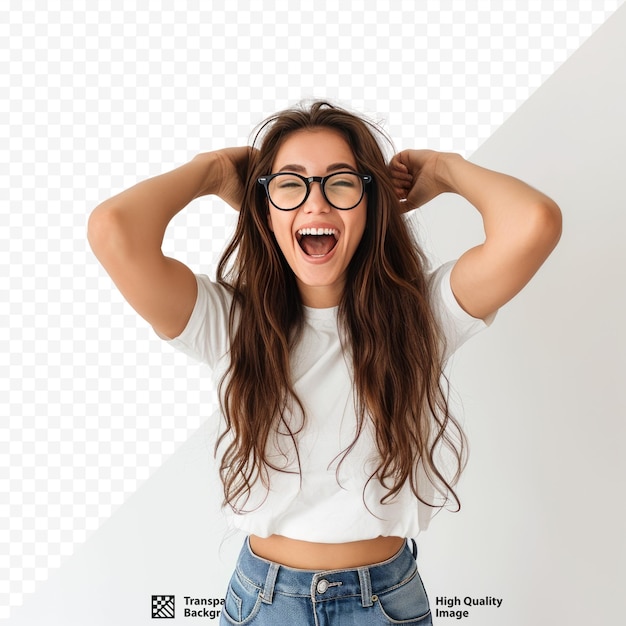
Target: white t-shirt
[{"x": 324, "y": 503}]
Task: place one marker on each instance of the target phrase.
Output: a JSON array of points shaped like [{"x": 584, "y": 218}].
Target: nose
[{"x": 316, "y": 203}]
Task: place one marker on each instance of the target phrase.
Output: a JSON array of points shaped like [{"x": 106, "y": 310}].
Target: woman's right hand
[
  {"x": 228, "y": 173},
  {"x": 126, "y": 233}
]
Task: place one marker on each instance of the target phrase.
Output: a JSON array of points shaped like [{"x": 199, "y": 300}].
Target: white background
[{"x": 107, "y": 495}]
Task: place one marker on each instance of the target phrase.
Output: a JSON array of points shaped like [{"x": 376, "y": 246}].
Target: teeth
[{"x": 318, "y": 231}]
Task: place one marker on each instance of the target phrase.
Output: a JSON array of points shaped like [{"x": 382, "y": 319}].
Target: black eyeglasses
[{"x": 342, "y": 190}]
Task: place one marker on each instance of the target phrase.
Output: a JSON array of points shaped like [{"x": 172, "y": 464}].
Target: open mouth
[{"x": 317, "y": 242}]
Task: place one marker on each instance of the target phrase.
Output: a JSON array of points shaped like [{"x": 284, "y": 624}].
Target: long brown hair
[{"x": 386, "y": 322}]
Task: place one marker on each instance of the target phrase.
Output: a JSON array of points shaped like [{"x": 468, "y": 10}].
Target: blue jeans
[{"x": 262, "y": 593}]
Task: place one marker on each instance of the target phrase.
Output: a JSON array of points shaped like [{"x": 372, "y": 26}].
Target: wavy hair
[{"x": 386, "y": 323}]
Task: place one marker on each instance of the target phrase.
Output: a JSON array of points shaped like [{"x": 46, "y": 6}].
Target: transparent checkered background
[{"x": 94, "y": 100}]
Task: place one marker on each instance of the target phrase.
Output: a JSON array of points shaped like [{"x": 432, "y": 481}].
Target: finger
[
  {"x": 400, "y": 171},
  {"x": 402, "y": 178},
  {"x": 401, "y": 191},
  {"x": 398, "y": 166}
]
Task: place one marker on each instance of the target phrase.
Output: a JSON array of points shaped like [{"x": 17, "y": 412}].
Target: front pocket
[
  {"x": 406, "y": 604},
  {"x": 243, "y": 600}
]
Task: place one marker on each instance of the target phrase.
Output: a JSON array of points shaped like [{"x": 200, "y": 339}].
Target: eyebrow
[{"x": 293, "y": 167}]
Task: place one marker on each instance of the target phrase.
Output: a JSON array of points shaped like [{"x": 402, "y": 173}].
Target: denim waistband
[{"x": 366, "y": 582}]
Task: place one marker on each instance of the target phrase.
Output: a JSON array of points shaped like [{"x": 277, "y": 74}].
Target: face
[{"x": 319, "y": 263}]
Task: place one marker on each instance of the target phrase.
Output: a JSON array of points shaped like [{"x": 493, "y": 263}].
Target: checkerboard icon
[{"x": 163, "y": 606}]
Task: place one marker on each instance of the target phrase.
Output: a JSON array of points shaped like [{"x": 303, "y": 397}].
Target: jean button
[{"x": 322, "y": 586}]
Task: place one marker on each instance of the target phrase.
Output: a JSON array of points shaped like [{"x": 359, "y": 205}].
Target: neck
[{"x": 322, "y": 297}]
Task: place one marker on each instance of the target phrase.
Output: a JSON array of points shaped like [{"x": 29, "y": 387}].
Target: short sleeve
[
  {"x": 455, "y": 323},
  {"x": 205, "y": 337}
]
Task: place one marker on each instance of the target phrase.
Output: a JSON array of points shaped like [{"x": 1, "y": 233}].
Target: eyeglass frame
[{"x": 366, "y": 179}]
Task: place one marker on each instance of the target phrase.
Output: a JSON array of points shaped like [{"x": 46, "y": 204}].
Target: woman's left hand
[
  {"x": 521, "y": 224},
  {"x": 416, "y": 177}
]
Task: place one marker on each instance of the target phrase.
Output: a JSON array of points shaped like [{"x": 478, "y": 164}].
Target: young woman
[{"x": 327, "y": 341}]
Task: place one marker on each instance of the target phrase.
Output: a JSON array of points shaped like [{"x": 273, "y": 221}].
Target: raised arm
[
  {"x": 522, "y": 225},
  {"x": 126, "y": 233}
]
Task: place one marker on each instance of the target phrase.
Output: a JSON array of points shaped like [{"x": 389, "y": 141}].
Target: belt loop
[
  {"x": 267, "y": 594},
  {"x": 366, "y": 586},
  {"x": 414, "y": 548}
]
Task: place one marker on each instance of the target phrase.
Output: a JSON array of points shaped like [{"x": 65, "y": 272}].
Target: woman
[{"x": 327, "y": 340}]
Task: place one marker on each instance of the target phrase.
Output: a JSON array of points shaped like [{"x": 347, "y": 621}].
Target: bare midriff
[{"x": 325, "y": 556}]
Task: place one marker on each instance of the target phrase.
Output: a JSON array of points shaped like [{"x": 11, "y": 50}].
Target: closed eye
[
  {"x": 343, "y": 182},
  {"x": 290, "y": 184}
]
